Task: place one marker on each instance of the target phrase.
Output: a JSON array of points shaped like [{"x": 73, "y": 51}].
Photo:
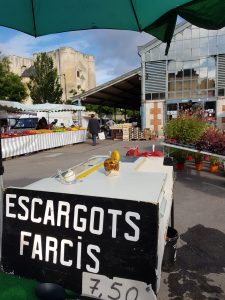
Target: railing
[{"x": 192, "y": 150}]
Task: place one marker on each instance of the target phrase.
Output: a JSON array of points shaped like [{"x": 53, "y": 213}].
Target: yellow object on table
[{"x": 115, "y": 155}]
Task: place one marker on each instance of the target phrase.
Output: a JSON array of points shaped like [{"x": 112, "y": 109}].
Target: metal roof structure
[
  {"x": 121, "y": 92},
  {"x": 155, "y": 42}
]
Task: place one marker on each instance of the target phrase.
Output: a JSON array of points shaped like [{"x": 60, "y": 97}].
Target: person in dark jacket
[
  {"x": 42, "y": 124},
  {"x": 93, "y": 128}
]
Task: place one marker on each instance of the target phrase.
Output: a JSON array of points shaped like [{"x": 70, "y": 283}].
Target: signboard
[{"x": 63, "y": 238}]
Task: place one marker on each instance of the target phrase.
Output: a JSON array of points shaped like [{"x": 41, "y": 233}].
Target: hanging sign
[{"x": 63, "y": 238}]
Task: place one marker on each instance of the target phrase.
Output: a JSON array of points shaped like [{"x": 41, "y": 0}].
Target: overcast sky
[{"x": 115, "y": 51}]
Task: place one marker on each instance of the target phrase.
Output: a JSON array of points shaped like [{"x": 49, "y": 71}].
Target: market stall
[
  {"x": 78, "y": 227},
  {"x": 21, "y": 140},
  {"x": 62, "y": 112},
  {"x": 36, "y": 142}
]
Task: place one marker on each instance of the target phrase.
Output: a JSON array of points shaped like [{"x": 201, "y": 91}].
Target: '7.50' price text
[{"x": 104, "y": 288}]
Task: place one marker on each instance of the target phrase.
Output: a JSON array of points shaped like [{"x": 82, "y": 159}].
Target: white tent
[
  {"x": 221, "y": 115},
  {"x": 15, "y": 105},
  {"x": 62, "y": 112},
  {"x": 48, "y": 107}
]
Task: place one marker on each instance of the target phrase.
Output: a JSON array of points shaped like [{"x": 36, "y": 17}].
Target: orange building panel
[{"x": 155, "y": 111}]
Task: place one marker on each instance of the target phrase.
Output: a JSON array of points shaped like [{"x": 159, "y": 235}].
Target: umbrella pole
[{"x": 1, "y": 194}]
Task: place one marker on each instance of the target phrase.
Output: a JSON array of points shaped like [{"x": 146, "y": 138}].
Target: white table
[{"x": 118, "y": 238}]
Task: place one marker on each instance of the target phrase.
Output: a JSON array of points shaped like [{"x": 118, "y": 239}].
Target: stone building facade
[
  {"x": 76, "y": 70},
  {"x": 21, "y": 66}
]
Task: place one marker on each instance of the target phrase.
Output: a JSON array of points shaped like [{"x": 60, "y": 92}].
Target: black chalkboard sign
[{"x": 54, "y": 237}]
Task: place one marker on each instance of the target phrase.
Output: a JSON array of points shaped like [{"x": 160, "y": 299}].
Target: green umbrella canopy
[{"x": 157, "y": 17}]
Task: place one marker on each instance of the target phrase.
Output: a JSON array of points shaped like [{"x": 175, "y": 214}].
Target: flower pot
[
  {"x": 199, "y": 166},
  {"x": 214, "y": 168},
  {"x": 180, "y": 166}
]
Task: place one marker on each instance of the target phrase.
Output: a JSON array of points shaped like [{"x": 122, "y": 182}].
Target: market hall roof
[
  {"x": 155, "y": 42},
  {"x": 121, "y": 92}
]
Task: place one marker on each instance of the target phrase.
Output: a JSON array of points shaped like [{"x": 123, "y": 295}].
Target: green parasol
[{"x": 157, "y": 17}]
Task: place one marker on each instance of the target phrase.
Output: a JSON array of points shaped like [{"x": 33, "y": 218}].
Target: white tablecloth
[{"x": 31, "y": 143}]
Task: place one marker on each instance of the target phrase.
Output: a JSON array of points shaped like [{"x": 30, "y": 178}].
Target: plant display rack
[{"x": 189, "y": 149}]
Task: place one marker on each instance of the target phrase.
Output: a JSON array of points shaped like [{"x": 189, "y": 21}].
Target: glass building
[{"x": 192, "y": 75}]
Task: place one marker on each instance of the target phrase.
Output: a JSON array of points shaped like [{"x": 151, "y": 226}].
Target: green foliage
[
  {"x": 130, "y": 113},
  {"x": 109, "y": 111},
  {"x": 185, "y": 129},
  {"x": 198, "y": 157},
  {"x": 4, "y": 66},
  {"x": 179, "y": 155},
  {"x": 44, "y": 85},
  {"x": 214, "y": 160},
  {"x": 77, "y": 91},
  {"x": 11, "y": 86},
  {"x": 99, "y": 109}
]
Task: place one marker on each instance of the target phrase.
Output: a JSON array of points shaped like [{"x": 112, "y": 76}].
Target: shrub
[
  {"x": 212, "y": 140},
  {"x": 185, "y": 129},
  {"x": 179, "y": 155}
]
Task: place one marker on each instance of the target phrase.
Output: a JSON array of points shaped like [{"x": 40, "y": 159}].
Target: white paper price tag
[{"x": 102, "y": 287}]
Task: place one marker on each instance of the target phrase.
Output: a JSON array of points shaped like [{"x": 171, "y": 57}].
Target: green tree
[
  {"x": 4, "y": 66},
  {"x": 130, "y": 113},
  {"x": 100, "y": 109},
  {"x": 44, "y": 85},
  {"x": 11, "y": 86},
  {"x": 77, "y": 91}
]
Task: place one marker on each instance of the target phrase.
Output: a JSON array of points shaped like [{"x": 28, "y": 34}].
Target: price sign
[
  {"x": 104, "y": 288},
  {"x": 55, "y": 237}
]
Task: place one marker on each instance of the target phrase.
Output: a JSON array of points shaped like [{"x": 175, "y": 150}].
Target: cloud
[
  {"x": 115, "y": 51},
  {"x": 104, "y": 75},
  {"x": 24, "y": 45}
]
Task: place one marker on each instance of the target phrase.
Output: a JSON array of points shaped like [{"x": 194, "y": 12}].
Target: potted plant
[
  {"x": 212, "y": 140},
  {"x": 198, "y": 161},
  {"x": 214, "y": 164},
  {"x": 186, "y": 130},
  {"x": 180, "y": 157}
]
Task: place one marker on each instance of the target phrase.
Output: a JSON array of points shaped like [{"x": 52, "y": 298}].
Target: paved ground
[{"x": 199, "y": 273}]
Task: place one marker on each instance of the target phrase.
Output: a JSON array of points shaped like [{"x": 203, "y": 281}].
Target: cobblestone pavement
[{"x": 199, "y": 273}]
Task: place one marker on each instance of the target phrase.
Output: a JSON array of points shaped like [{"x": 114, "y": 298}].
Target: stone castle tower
[{"x": 76, "y": 70}]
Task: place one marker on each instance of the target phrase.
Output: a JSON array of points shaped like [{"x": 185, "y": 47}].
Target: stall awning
[
  {"x": 122, "y": 92},
  {"x": 14, "y": 105},
  {"x": 46, "y": 107}
]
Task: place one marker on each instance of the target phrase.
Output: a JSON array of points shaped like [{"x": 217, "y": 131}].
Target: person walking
[{"x": 93, "y": 128}]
